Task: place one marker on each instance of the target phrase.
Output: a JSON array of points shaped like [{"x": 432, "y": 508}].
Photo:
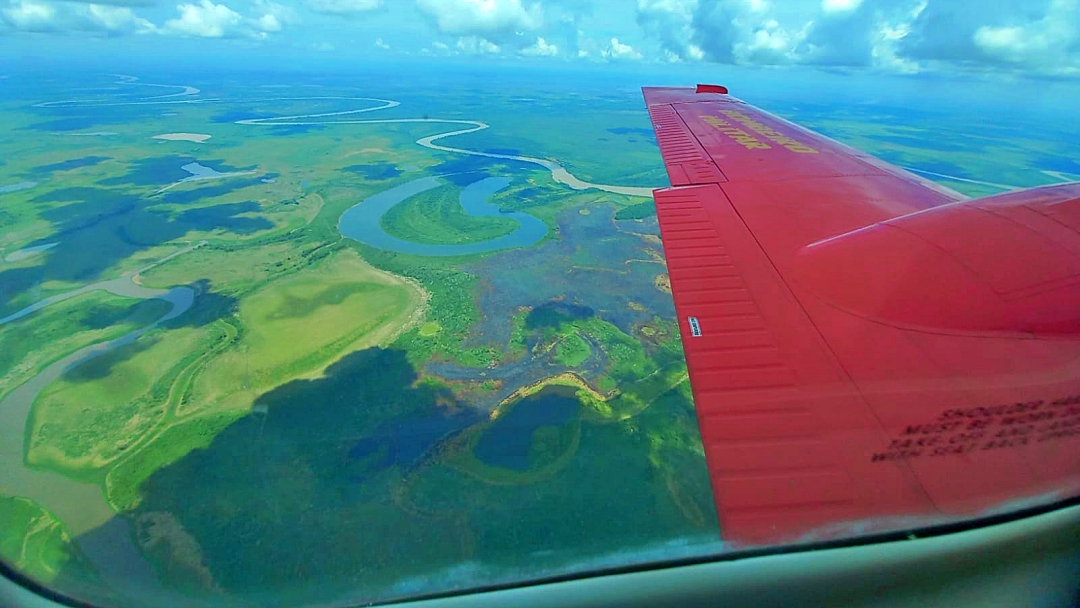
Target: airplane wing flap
[
  {"x": 686, "y": 160},
  {"x": 783, "y": 427}
]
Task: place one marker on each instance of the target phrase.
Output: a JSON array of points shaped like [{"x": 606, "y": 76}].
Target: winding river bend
[
  {"x": 558, "y": 172},
  {"x": 189, "y": 96},
  {"x": 81, "y": 506},
  {"x": 363, "y": 221}
]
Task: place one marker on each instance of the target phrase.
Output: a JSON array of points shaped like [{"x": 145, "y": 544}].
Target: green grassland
[
  {"x": 32, "y": 343},
  {"x": 298, "y": 325},
  {"x": 572, "y": 350},
  {"x": 69, "y": 264},
  {"x": 109, "y": 218},
  {"x": 436, "y": 217},
  {"x": 446, "y": 509},
  {"x": 637, "y": 212},
  {"x": 609, "y": 142},
  {"x": 636, "y": 376},
  {"x": 540, "y": 195},
  {"x": 232, "y": 268},
  {"x": 554, "y": 328},
  {"x": 38, "y": 545},
  {"x": 632, "y": 380},
  {"x": 97, "y": 411}
]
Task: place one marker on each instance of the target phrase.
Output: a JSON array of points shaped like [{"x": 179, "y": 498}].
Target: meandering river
[
  {"x": 363, "y": 221},
  {"x": 81, "y": 506}
]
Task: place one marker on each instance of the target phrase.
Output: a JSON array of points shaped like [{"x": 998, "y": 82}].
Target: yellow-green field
[
  {"x": 92, "y": 415},
  {"x": 227, "y": 268},
  {"x": 299, "y": 325},
  {"x": 290, "y": 328}
]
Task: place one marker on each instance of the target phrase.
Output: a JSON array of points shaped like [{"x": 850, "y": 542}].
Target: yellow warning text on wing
[
  {"x": 743, "y": 138},
  {"x": 768, "y": 132}
]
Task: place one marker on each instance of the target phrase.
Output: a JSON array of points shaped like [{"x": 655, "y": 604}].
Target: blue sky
[{"x": 994, "y": 37}]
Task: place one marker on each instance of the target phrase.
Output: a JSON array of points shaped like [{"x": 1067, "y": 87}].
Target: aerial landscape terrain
[{"x": 323, "y": 338}]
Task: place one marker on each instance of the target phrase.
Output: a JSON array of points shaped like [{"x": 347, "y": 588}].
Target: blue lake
[
  {"x": 363, "y": 221},
  {"x": 201, "y": 171},
  {"x": 507, "y": 442}
]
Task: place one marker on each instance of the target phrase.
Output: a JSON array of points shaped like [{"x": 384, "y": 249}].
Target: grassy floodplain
[
  {"x": 38, "y": 544},
  {"x": 29, "y": 344},
  {"x": 201, "y": 377},
  {"x": 294, "y": 327},
  {"x": 436, "y": 217},
  {"x": 98, "y": 411}
]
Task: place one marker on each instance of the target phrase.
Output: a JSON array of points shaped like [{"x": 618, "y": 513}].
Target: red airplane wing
[{"x": 867, "y": 350}]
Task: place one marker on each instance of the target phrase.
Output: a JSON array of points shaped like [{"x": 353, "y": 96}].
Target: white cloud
[
  {"x": 839, "y": 6},
  {"x": 382, "y": 45},
  {"x": 120, "y": 2},
  {"x": 618, "y": 50},
  {"x": 1037, "y": 37},
  {"x": 727, "y": 31},
  {"x": 1049, "y": 45},
  {"x": 475, "y": 45},
  {"x": 209, "y": 20},
  {"x": 487, "y": 18},
  {"x": 205, "y": 20},
  {"x": 272, "y": 16},
  {"x": 30, "y": 16},
  {"x": 268, "y": 23},
  {"x": 1010, "y": 43},
  {"x": 747, "y": 31},
  {"x": 35, "y": 16},
  {"x": 1040, "y": 36},
  {"x": 541, "y": 48},
  {"x": 906, "y": 36},
  {"x": 769, "y": 43},
  {"x": 759, "y": 32},
  {"x": 886, "y": 37},
  {"x": 670, "y": 21},
  {"x": 344, "y": 7},
  {"x": 119, "y": 19}
]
